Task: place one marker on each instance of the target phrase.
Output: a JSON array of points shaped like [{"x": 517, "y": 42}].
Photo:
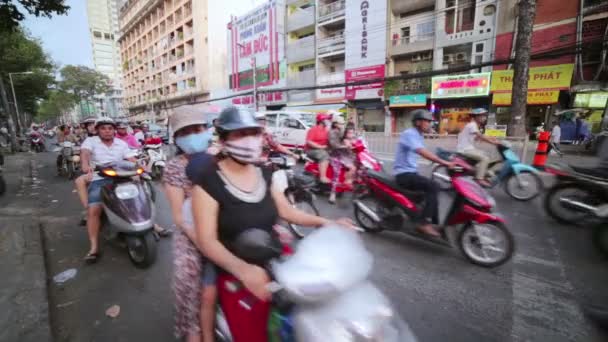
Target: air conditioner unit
[
  {"x": 416, "y": 58},
  {"x": 448, "y": 58},
  {"x": 461, "y": 57}
]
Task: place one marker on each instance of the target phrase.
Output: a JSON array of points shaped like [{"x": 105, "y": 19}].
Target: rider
[
  {"x": 317, "y": 141},
  {"x": 123, "y": 134},
  {"x": 411, "y": 144},
  {"x": 235, "y": 185},
  {"x": 99, "y": 150},
  {"x": 466, "y": 143},
  {"x": 269, "y": 144},
  {"x": 138, "y": 133}
]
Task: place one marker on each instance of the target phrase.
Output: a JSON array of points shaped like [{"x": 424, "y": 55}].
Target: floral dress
[{"x": 187, "y": 260}]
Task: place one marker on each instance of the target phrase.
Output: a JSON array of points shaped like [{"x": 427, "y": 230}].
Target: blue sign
[{"x": 418, "y": 100}]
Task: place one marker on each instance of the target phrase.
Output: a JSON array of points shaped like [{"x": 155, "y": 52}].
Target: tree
[
  {"x": 57, "y": 104},
  {"x": 521, "y": 67},
  {"x": 83, "y": 83},
  {"x": 11, "y": 15}
]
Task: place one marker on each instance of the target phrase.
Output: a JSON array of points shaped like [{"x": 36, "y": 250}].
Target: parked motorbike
[
  {"x": 68, "y": 160},
  {"x": 364, "y": 160},
  {"x": 298, "y": 189},
  {"x": 36, "y": 142},
  {"x": 320, "y": 293},
  {"x": 575, "y": 188},
  {"x": 520, "y": 181},
  {"x": 128, "y": 211},
  {"x": 154, "y": 157},
  {"x": 483, "y": 237}
]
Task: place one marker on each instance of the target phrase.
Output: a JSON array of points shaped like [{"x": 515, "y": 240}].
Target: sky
[{"x": 66, "y": 38}]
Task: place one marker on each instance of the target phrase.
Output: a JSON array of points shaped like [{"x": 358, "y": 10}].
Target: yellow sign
[
  {"x": 541, "y": 78},
  {"x": 499, "y": 131},
  {"x": 537, "y": 97}
]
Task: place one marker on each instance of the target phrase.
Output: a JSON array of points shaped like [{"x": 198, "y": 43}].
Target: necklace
[{"x": 253, "y": 196}]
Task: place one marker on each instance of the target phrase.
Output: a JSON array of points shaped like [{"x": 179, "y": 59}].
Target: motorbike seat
[
  {"x": 592, "y": 172},
  {"x": 392, "y": 182},
  {"x": 304, "y": 180}
]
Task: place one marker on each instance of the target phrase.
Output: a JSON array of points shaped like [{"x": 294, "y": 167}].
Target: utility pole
[
  {"x": 255, "y": 84},
  {"x": 9, "y": 117},
  {"x": 519, "y": 99}
]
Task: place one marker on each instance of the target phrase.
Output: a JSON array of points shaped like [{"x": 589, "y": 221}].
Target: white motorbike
[
  {"x": 154, "y": 160},
  {"x": 68, "y": 160}
]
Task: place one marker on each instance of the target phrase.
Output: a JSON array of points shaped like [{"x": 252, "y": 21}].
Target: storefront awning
[{"x": 314, "y": 108}]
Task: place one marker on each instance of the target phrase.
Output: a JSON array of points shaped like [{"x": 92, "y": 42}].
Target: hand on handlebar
[{"x": 256, "y": 281}]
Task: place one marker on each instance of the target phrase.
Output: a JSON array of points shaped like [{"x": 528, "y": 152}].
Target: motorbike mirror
[{"x": 256, "y": 246}]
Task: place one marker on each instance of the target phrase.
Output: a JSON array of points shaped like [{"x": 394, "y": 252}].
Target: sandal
[
  {"x": 92, "y": 258},
  {"x": 163, "y": 232}
]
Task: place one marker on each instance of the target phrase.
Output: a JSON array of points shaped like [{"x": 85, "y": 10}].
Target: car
[{"x": 289, "y": 128}]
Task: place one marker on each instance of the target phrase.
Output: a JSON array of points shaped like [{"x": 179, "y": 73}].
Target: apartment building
[
  {"x": 164, "y": 49},
  {"x": 103, "y": 29},
  {"x": 300, "y": 49}
]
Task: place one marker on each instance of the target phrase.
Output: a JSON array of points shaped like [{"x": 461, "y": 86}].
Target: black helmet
[
  {"x": 105, "y": 121},
  {"x": 421, "y": 114},
  {"x": 232, "y": 119}
]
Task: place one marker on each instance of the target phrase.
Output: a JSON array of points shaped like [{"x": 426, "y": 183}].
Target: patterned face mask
[{"x": 245, "y": 150}]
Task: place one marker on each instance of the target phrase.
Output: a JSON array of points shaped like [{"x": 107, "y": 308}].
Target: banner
[
  {"x": 499, "y": 131},
  {"x": 365, "y": 50},
  {"x": 418, "y": 100},
  {"x": 466, "y": 85},
  {"x": 552, "y": 77},
  {"x": 535, "y": 97}
]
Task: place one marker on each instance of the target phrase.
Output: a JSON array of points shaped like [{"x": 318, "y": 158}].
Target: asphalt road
[{"x": 535, "y": 297}]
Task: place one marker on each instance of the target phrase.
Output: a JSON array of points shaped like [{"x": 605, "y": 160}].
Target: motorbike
[
  {"x": 364, "y": 160},
  {"x": 576, "y": 191},
  {"x": 483, "y": 237},
  {"x": 520, "y": 181},
  {"x": 128, "y": 211},
  {"x": 68, "y": 160},
  {"x": 320, "y": 292},
  {"x": 154, "y": 157},
  {"x": 298, "y": 191},
  {"x": 36, "y": 142}
]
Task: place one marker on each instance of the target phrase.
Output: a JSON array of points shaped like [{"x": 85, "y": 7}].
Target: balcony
[
  {"x": 411, "y": 5},
  {"x": 301, "y": 79},
  {"x": 406, "y": 45},
  {"x": 301, "y": 50},
  {"x": 331, "y": 12},
  {"x": 330, "y": 46},
  {"x": 300, "y": 19},
  {"x": 331, "y": 78}
]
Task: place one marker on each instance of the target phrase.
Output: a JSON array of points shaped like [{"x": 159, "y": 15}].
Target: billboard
[
  {"x": 257, "y": 37},
  {"x": 455, "y": 86},
  {"x": 365, "y": 49}
]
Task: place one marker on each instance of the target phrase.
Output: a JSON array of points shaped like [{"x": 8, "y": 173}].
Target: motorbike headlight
[{"x": 126, "y": 191}]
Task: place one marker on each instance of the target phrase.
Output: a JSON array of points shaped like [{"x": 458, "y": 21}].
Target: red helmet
[{"x": 322, "y": 117}]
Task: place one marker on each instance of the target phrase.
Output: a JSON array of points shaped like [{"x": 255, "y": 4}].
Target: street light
[{"x": 10, "y": 77}]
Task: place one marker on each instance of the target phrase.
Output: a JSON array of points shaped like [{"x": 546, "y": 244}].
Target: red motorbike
[
  {"x": 483, "y": 237},
  {"x": 364, "y": 160}
]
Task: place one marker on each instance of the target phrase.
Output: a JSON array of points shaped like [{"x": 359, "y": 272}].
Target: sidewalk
[{"x": 24, "y": 309}]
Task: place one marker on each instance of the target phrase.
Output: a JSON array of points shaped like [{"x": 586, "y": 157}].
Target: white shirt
[
  {"x": 466, "y": 137},
  {"x": 140, "y": 136},
  {"x": 104, "y": 154},
  {"x": 556, "y": 134}
]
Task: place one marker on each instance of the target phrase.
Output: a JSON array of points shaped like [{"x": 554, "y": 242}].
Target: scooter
[
  {"x": 483, "y": 237},
  {"x": 36, "y": 143},
  {"x": 155, "y": 158},
  {"x": 520, "y": 181},
  {"x": 320, "y": 293},
  {"x": 364, "y": 161},
  {"x": 68, "y": 160},
  {"x": 128, "y": 211}
]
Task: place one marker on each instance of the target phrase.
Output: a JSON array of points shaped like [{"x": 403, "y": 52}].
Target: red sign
[{"x": 366, "y": 91}]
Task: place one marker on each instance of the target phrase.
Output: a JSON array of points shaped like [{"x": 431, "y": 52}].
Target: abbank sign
[{"x": 365, "y": 47}]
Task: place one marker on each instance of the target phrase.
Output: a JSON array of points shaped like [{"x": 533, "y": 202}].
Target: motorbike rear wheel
[
  {"x": 440, "y": 175},
  {"x": 306, "y": 205},
  {"x": 70, "y": 173},
  {"x": 474, "y": 243},
  {"x": 363, "y": 219},
  {"x": 572, "y": 191},
  {"x": 530, "y": 187},
  {"x": 142, "y": 249},
  {"x": 600, "y": 238},
  {"x": 157, "y": 172}
]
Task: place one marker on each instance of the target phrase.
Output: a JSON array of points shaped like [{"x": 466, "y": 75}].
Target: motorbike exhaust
[
  {"x": 368, "y": 211},
  {"x": 574, "y": 204}
]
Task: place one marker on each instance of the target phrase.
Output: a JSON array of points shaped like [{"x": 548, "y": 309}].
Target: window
[
  {"x": 405, "y": 34},
  {"x": 291, "y": 123},
  {"x": 489, "y": 10},
  {"x": 303, "y": 68},
  {"x": 479, "y": 47},
  {"x": 97, "y": 34},
  {"x": 425, "y": 30},
  {"x": 271, "y": 120},
  {"x": 106, "y": 36},
  {"x": 332, "y": 69}
]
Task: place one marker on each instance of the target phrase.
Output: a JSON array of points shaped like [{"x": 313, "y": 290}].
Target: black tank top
[{"x": 236, "y": 215}]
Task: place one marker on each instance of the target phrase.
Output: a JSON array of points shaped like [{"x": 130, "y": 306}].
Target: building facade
[
  {"x": 165, "y": 54},
  {"x": 103, "y": 30}
]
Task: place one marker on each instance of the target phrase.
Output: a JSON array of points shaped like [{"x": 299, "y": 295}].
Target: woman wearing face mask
[
  {"x": 194, "y": 279},
  {"x": 233, "y": 195}
]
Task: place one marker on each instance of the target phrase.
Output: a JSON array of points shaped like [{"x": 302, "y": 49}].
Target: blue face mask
[{"x": 193, "y": 143}]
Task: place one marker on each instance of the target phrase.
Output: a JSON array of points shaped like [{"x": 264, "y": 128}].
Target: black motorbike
[
  {"x": 576, "y": 192},
  {"x": 129, "y": 211}
]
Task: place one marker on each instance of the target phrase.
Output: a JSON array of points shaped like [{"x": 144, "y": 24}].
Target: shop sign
[
  {"x": 366, "y": 91},
  {"x": 535, "y": 97},
  {"x": 467, "y": 85},
  {"x": 499, "y": 131},
  {"x": 366, "y": 23},
  {"x": 591, "y": 100},
  {"x": 330, "y": 94},
  {"x": 417, "y": 100},
  {"x": 553, "y": 77},
  {"x": 263, "y": 99}
]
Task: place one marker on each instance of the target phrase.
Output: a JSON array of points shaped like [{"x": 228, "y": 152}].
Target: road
[{"x": 535, "y": 297}]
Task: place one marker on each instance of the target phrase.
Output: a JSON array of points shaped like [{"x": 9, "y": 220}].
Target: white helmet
[
  {"x": 105, "y": 121},
  {"x": 3, "y": 130},
  {"x": 259, "y": 116}
]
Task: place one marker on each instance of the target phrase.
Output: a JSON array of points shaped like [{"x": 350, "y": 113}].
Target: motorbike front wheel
[
  {"x": 524, "y": 186},
  {"x": 488, "y": 244},
  {"x": 306, "y": 205},
  {"x": 70, "y": 173},
  {"x": 157, "y": 172},
  {"x": 557, "y": 207},
  {"x": 600, "y": 238},
  {"x": 363, "y": 219},
  {"x": 142, "y": 249}
]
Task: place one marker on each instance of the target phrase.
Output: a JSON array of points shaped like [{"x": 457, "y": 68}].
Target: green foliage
[
  {"x": 56, "y": 104},
  {"x": 11, "y": 14},
  {"x": 82, "y": 82}
]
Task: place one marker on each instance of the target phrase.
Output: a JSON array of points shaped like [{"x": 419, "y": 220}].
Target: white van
[{"x": 289, "y": 128}]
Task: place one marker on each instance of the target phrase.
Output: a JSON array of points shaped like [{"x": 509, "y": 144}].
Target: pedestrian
[
  {"x": 193, "y": 277},
  {"x": 556, "y": 135}
]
